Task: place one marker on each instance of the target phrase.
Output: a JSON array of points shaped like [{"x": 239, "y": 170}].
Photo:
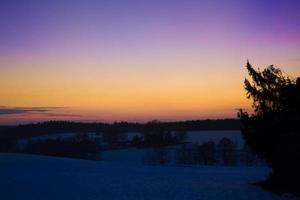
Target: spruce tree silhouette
[{"x": 273, "y": 130}]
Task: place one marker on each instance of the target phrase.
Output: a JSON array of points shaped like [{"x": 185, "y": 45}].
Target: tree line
[
  {"x": 78, "y": 146},
  {"x": 224, "y": 153},
  {"x": 51, "y": 127}
]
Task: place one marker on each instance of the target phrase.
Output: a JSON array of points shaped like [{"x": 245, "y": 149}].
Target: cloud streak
[{"x": 21, "y": 110}]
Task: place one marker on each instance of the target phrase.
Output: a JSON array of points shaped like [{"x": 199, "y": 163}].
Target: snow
[
  {"x": 62, "y": 136},
  {"x": 29, "y": 177},
  {"x": 124, "y": 156}
]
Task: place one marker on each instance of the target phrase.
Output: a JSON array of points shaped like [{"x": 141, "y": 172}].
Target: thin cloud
[{"x": 20, "y": 110}]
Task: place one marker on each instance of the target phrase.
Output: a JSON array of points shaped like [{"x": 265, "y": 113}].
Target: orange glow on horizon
[{"x": 134, "y": 94}]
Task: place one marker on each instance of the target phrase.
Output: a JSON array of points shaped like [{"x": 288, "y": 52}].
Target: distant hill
[{"x": 51, "y": 127}]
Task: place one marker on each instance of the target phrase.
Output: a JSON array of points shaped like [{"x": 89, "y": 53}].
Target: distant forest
[{"x": 45, "y": 128}]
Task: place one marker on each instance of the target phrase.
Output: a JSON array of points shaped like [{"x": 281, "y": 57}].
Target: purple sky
[{"x": 47, "y": 26}]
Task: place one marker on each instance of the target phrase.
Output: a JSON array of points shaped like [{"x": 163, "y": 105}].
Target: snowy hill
[{"x": 29, "y": 177}]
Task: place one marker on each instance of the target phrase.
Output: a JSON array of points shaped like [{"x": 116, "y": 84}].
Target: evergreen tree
[{"x": 273, "y": 130}]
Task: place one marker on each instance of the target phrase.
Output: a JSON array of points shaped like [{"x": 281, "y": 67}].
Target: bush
[{"x": 227, "y": 152}]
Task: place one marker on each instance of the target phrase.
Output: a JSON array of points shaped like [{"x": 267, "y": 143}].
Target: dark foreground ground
[{"x": 29, "y": 177}]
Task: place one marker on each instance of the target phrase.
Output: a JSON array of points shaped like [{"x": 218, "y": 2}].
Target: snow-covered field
[
  {"x": 27, "y": 177},
  {"x": 62, "y": 136}
]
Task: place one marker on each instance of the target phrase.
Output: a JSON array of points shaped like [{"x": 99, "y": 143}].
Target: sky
[{"x": 138, "y": 60}]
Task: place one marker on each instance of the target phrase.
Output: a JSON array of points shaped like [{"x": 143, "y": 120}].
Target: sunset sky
[{"x": 138, "y": 60}]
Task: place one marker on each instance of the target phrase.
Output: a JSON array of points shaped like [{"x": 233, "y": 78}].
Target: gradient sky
[{"x": 138, "y": 60}]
